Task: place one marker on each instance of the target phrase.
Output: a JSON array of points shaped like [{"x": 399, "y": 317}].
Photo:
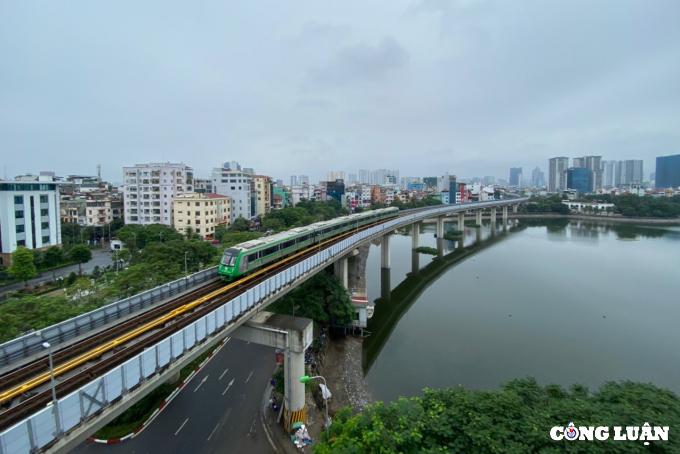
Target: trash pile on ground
[{"x": 300, "y": 436}]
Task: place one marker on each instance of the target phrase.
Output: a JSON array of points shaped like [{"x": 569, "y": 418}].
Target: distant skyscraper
[
  {"x": 515, "y": 176},
  {"x": 608, "y": 179},
  {"x": 351, "y": 178},
  {"x": 336, "y": 175},
  {"x": 667, "y": 171},
  {"x": 488, "y": 180},
  {"x": 631, "y": 172},
  {"x": 580, "y": 179},
  {"x": 364, "y": 176},
  {"x": 594, "y": 164},
  {"x": 557, "y": 174},
  {"x": 579, "y": 162},
  {"x": 537, "y": 178},
  {"x": 293, "y": 180}
]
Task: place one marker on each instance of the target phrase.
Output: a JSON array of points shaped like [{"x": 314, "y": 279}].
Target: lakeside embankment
[{"x": 585, "y": 217}]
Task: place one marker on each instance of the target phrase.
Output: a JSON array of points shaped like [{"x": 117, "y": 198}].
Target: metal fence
[
  {"x": 43, "y": 427},
  {"x": 31, "y": 343}
]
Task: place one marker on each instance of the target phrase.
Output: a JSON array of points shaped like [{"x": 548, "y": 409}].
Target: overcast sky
[{"x": 303, "y": 87}]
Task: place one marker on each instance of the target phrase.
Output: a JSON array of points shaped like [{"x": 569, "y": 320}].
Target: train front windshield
[{"x": 229, "y": 258}]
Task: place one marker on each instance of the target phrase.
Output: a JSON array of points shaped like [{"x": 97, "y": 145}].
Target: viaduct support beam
[
  {"x": 505, "y": 215},
  {"x": 461, "y": 221},
  {"x": 294, "y": 335},
  {"x": 385, "y": 252},
  {"x": 340, "y": 271},
  {"x": 479, "y": 217},
  {"x": 514, "y": 208},
  {"x": 493, "y": 216}
]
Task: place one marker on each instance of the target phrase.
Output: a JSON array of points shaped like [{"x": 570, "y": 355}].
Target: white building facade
[
  {"x": 29, "y": 217},
  {"x": 231, "y": 181},
  {"x": 150, "y": 188}
]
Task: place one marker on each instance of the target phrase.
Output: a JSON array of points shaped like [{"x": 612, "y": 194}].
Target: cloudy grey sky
[{"x": 468, "y": 86}]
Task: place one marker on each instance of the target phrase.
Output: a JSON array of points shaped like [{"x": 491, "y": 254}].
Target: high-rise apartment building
[
  {"x": 557, "y": 174},
  {"x": 537, "y": 178},
  {"x": 515, "y": 176},
  {"x": 364, "y": 176},
  {"x": 29, "y": 217},
  {"x": 667, "y": 171},
  {"x": 231, "y": 181},
  {"x": 609, "y": 174},
  {"x": 150, "y": 188}
]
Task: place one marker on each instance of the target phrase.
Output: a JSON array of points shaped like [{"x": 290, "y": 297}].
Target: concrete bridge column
[
  {"x": 385, "y": 252},
  {"x": 440, "y": 227},
  {"x": 294, "y": 335},
  {"x": 415, "y": 235},
  {"x": 493, "y": 216},
  {"x": 340, "y": 271},
  {"x": 479, "y": 217},
  {"x": 356, "y": 269},
  {"x": 505, "y": 215},
  {"x": 461, "y": 221},
  {"x": 514, "y": 208}
]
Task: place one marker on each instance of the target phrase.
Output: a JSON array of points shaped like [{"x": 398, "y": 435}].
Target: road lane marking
[
  {"x": 223, "y": 373},
  {"x": 249, "y": 375},
  {"x": 228, "y": 339},
  {"x": 214, "y": 430},
  {"x": 180, "y": 427},
  {"x": 202, "y": 381},
  {"x": 228, "y": 386}
]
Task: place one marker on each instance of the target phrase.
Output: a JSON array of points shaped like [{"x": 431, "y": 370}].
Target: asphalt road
[{"x": 217, "y": 412}]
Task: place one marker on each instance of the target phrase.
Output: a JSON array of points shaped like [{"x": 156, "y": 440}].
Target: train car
[{"x": 244, "y": 258}]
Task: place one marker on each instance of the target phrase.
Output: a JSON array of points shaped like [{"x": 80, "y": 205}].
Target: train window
[
  {"x": 252, "y": 257},
  {"x": 269, "y": 251},
  {"x": 287, "y": 244},
  {"x": 230, "y": 256}
]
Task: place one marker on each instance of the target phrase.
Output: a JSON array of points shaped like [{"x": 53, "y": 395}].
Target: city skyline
[{"x": 331, "y": 85}]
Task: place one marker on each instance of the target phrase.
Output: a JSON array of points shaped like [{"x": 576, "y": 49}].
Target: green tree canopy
[
  {"x": 23, "y": 267},
  {"x": 514, "y": 419},
  {"x": 322, "y": 298},
  {"x": 80, "y": 253},
  {"x": 240, "y": 224},
  {"x": 53, "y": 256}
]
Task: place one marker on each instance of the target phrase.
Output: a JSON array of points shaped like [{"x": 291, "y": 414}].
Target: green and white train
[{"x": 246, "y": 257}]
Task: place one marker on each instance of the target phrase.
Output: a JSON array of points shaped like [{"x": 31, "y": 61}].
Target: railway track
[
  {"x": 125, "y": 343},
  {"x": 14, "y": 377}
]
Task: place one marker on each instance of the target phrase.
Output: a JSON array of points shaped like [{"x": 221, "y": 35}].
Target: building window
[
  {"x": 43, "y": 199},
  {"x": 19, "y": 214},
  {"x": 20, "y": 228},
  {"x": 46, "y": 239},
  {"x": 18, "y": 199},
  {"x": 45, "y": 225},
  {"x": 21, "y": 243},
  {"x": 44, "y": 212}
]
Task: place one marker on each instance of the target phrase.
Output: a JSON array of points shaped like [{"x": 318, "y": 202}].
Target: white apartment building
[
  {"x": 201, "y": 213},
  {"x": 302, "y": 192},
  {"x": 150, "y": 188},
  {"x": 231, "y": 181},
  {"x": 29, "y": 217}
]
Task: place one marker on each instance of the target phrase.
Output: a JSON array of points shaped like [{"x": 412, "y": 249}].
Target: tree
[
  {"x": 23, "y": 267},
  {"x": 240, "y": 225},
  {"x": 514, "y": 419},
  {"x": 81, "y": 254},
  {"x": 53, "y": 256}
]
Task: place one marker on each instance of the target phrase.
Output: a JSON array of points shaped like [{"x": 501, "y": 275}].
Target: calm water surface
[{"x": 562, "y": 301}]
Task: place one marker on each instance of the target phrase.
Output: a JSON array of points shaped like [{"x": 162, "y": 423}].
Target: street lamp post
[
  {"x": 55, "y": 404},
  {"x": 324, "y": 390}
]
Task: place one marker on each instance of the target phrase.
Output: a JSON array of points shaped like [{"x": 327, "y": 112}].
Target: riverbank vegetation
[
  {"x": 627, "y": 205},
  {"x": 426, "y": 250},
  {"x": 304, "y": 212},
  {"x": 515, "y": 419}
]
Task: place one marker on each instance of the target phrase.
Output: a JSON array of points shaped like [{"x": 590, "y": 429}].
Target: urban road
[{"x": 218, "y": 411}]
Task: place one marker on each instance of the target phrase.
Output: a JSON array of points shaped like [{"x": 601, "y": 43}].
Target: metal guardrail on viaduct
[{"x": 108, "y": 395}]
